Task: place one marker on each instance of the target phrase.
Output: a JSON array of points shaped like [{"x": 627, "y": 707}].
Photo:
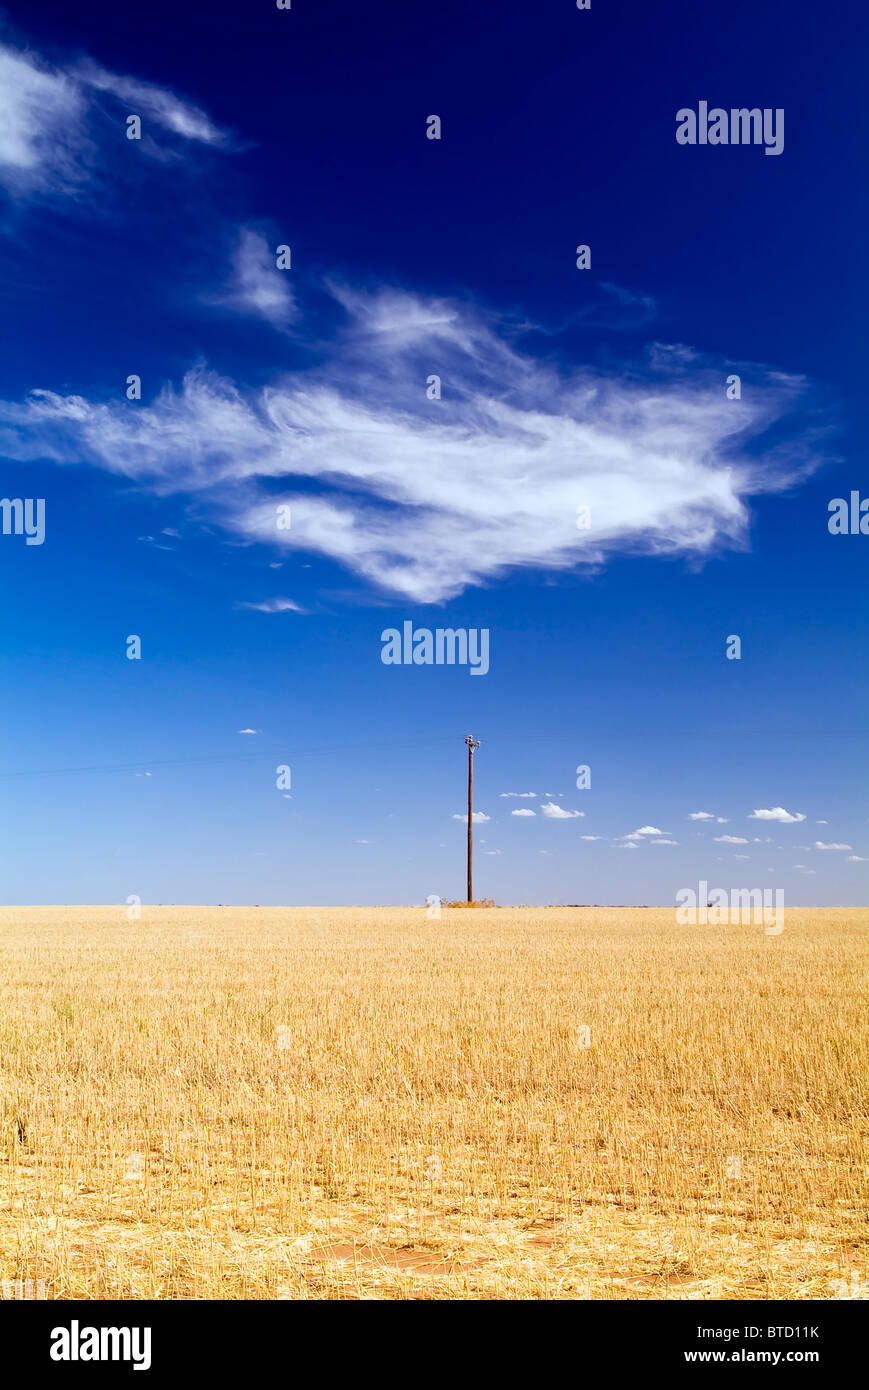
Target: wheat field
[{"x": 529, "y": 1103}]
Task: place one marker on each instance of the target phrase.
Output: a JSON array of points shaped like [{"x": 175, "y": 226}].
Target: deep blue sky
[{"x": 559, "y": 386}]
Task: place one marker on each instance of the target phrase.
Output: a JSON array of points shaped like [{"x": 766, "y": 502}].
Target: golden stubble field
[{"x": 246, "y": 1103}]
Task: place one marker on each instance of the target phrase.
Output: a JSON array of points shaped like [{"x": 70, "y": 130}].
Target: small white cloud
[
  {"x": 700, "y": 815},
  {"x": 273, "y": 605},
  {"x": 822, "y": 822},
  {"x": 156, "y": 103},
  {"x": 722, "y": 820},
  {"x": 257, "y": 286},
  {"x": 249, "y": 731},
  {"x": 852, "y": 858},
  {"x": 644, "y": 830},
  {"x": 553, "y": 812},
  {"x": 741, "y": 856},
  {"x": 590, "y": 837},
  {"x": 523, "y": 811},
  {"x": 777, "y": 813},
  {"x": 518, "y": 793},
  {"x": 819, "y": 844},
  {"x": 476, "y": 818},
  {"x": 663, "y": 842},
  {"x": 730, "y": 840},
  {"x": 492, "y": 851},
  {"x": 630, "y": 846}
]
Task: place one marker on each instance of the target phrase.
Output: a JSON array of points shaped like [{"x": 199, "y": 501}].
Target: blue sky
[{"x": 306, "y": 387}]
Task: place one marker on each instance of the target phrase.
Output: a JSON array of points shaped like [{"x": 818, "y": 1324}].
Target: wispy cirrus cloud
[
  {"x": 153, "y": 103},
  {"x": 41, "y": 115},
  {"x": 416, "y": 497},
  {"x": 425, "y": 498},
  {"x": 273, "y": 605},
  {"x": 256, "y": 285},
  {"x": 48, "y": 142}
]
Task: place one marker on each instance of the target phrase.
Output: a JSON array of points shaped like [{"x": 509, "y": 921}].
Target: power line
[
  {"x": 511, "y": 736},
  {"x": 222, "y": 758}
]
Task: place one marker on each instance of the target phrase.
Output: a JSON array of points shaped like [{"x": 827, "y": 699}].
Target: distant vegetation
[{"x": 481, "y": 902}]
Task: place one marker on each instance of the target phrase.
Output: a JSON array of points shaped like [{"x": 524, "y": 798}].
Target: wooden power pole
[{"x": 471, "y": 746}]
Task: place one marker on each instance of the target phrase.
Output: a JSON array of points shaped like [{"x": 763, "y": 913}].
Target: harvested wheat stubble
[
  {"x": 363, "y": 1103},
  {"x": 416, "y": 1261}
]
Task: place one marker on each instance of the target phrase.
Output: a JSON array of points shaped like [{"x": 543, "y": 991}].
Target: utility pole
[{"x": 471, "y": 746}]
